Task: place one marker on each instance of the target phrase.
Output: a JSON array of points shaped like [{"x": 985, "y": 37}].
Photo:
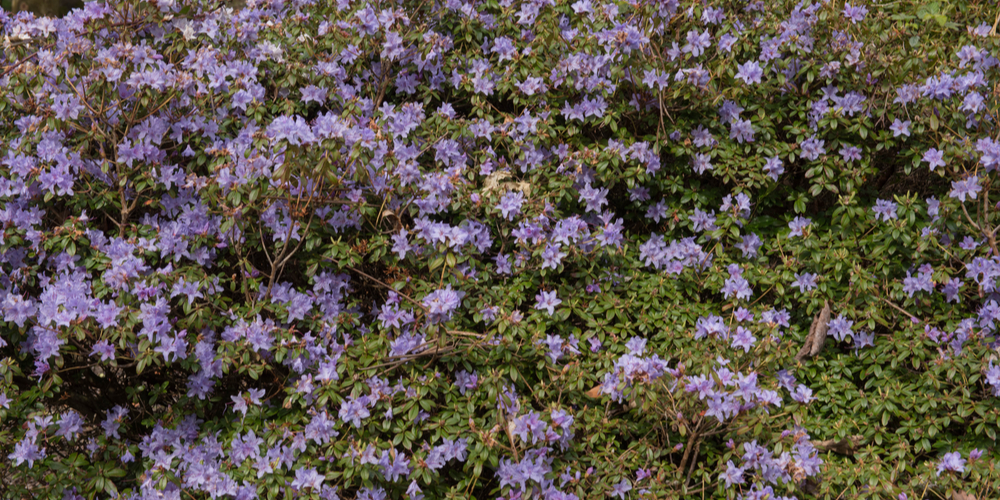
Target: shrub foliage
[{"x": 480, "y": 249}]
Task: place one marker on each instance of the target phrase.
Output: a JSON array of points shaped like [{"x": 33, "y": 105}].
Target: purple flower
[
  {"x": 307, "y": 478},
  {"x": 855, "y": 14},
  {"x": 922, "y": 282},
  {"x": 797, "y": 226},
  {"x": 394, "y": 465},
  {"x": 743, "y": 339},
  {"x": 26, "y": 450},
  {"x": 619, "y": 490},
  {"x": 864, "y": 339},
  {"x": 968, "y": 187},
  {"x": 510, "y": 204},
  {"x": 113, "y": 421},
  {"x": 532, "y": 85},
  {"x": 900, "y": 128},
  {"x": 749, "y": 245},
  {"x": 595, "y": 346},
  {"x": 105, "y": 349},
  {"x": 812, "y": 148},
  {"x": 840, "y": 328},
  {"x": 413, "y": 492},
  {"x": 733, "y": 474},
  {"x": 547, "y": 301},
  {"x": 441, "y": 304},
  {"x": 353, "y": 410},
  {"x": 950, "y": 290},
  {"x": 884, "y": 210},
  {"x": 400, "y": 245},
  {"x": 726, "y": 42},
  {"x": 697, "y": 43},
  {"x": 774, "y": 167},
  {"x": 552, "y": 257},
  {"x": 70, "y": 424},
  {"x": 701, "y": 163},
  {"x": 636, "y": 346},
  {"x": 933, "y": 207},
  {"x": 736, "y": 284},
  {"x": 750, "y": 72},
  {"x": 935, "y": 158},
  {"x": 702, "y": 221},
  {"x": 314, "y": 93},
  {"x": 850, "y": 153},
  {"x": 595, "y": 198},
  {"x": 805, "y": 282},
  {"x": 951, "y": 462},
  {"x": 466, "y": 381},
  {"x": 802, "y": 394},
  {"x": 657, "y": 211},
  {"x": 741, "y": 131}
]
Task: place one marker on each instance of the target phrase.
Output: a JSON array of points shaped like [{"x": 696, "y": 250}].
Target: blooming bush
[{"x": 501, "y": 249}]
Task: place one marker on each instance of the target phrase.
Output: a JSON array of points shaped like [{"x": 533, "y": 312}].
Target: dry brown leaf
[{"x": 817, "y": 334}]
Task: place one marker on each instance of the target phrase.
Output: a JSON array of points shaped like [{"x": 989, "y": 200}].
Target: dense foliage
[{"x": 480, "y": 249}]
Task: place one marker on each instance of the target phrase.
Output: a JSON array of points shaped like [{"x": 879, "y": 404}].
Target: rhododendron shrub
[{"x": 509, "y": 249}]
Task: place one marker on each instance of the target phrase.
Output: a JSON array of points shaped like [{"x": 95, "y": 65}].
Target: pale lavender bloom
[
  {"x": 934, "y": 157},
  {"x": 702, "y": 221},
  {"x": 657, "y": 211},
  {"x": 726, "y": 42},
  {"x": 636, "y": 346},
  {"x": 741, "y": 130},
  {"x": 595, "y": 344},
  {"x": 736, "y": 284},
  {"x": 864, "y": 339},
  {"x": 900, "y": 128},
  {"x": 353, "y": 410},
  {"x": 933, "y": 207},
  {"x": 307, "y": 478},
  {"x": 441, "y": 304},
  {"x": 733, "y": 474},
  {"x": 965, "y": 188},
  {"x": 314, "y": 94},
  {"x": 547, "y": 301},
  {"x": 595, "y": 198},
  {"x": 855, "y": 14},
  {"x": 805, "y": 282},
  {"x": 701, "y": 163},
  {"x": 951, "y": 288},
  {"x": 884, "y": 210},
  {"x": 743, "y": 339},
  {"x": 619, "y": 490},
  {"x": 552, "y": 257},
  {"x": 26, "y": 450},
  {"x": 850, "y": 153},
  {"x": 510, "y": 204},
  {"x": 798, "y": 225},
  {"x": 802, "y": 394},
  {"x": 105, "y": 349},
  {"x": 697, "y": 43},
  {"x": 812, "y": 148},
  {"x": 774, "y": 167},
  {"x": 749, "y": 244},
  {"x": 70, "y": 425},
  {"x": 750, "y": 72},
  {"x": 638, "y": 193},
  {"x": 951, "y": 462},
  {"x": 840, "y": 328}
]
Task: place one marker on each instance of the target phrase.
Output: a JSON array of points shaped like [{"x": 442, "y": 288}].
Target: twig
[{"x": 900, "y": 309}]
